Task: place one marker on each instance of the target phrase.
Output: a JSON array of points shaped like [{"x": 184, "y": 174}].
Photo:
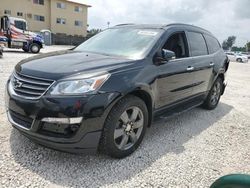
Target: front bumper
[
  {"x": 245, "y": 60},
  {"x": 26, "y": 115}
]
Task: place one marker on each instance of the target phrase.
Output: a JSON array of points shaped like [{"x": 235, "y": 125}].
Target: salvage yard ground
[{"x": 189, "y": 150}]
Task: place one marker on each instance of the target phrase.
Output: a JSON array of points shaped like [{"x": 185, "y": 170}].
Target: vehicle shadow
[
  {"x": 163, "y": 137},
  {"x": 18, "y": 52}
]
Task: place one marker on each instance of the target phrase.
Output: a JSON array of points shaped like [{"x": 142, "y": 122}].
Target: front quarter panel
[{"x": 140, "y": 77}]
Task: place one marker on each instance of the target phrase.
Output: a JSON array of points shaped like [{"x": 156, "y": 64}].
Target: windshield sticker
[{"x": 148, "y": 33}]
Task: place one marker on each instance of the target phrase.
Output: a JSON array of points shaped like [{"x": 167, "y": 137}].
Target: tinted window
[
  {"x": 228, "y": 53},
  {"x": 20, "y": 25},
  {"x": 212, "y": 43},
  {"x": 177, "y": 43},
  {"x": 197, "y": 44}
]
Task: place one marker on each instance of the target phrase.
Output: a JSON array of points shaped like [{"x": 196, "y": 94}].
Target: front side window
[
  {"x": 128, "y": 42},
  {"x": 197, "y": 44},
  {"x": 39, "y": 18},
  {"x": 21, "y": 25},
  {"x": 212, "y": 43},
  {"x": 39, "y": 2},
  {"x": 178, "y": 44},
  {"x": 61, "y": 21}
]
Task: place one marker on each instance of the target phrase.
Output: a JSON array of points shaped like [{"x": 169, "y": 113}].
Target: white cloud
[{"x": 222, "y": 18}]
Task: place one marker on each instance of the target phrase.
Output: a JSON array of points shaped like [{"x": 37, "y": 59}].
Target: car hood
[{"x": 60, "y": 64}]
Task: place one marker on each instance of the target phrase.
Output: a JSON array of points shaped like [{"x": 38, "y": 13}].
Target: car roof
[{"x": 164, "y": 26}]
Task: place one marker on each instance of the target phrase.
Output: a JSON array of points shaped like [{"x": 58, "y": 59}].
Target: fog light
[
  {"x": 74, "y": 127},
  {"x": 63, "y": 120}
]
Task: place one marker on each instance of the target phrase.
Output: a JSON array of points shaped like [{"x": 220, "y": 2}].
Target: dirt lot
[{"x": 190, "y": 150}]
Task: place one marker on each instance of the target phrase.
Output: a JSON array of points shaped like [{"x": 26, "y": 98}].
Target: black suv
[{"x": 103, "y": 94}]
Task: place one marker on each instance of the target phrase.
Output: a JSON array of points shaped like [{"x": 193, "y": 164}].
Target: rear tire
[
  {"x": 35, "y": 48},
  {"x": 214, "y": 95},
  {"x": 124, "y": 127}
]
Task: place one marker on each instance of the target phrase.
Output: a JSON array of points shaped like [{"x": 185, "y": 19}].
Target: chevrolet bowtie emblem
[{"x": 17, "y": 84}]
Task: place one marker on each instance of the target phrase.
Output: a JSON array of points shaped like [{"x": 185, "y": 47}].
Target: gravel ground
[{"x": 190, "y": 150}]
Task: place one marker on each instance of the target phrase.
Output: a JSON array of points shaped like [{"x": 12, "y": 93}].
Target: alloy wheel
[
  {"x": 129, "y": 128},
  {"x": 34, "y": 49},
  {"x": 215, "y": 93}
]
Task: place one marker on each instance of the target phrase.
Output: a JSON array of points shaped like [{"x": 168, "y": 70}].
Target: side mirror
[
  {"x": 163, "y": 56},
  {"x": 167, "y": 54}
]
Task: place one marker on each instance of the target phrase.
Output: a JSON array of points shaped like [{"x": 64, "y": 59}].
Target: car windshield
[{"x": 128, "y": 42}]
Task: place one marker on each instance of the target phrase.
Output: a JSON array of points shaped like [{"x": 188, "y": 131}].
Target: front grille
[
  {"x": 29, "y": 87},
  {"x": 21, "y": 119}
]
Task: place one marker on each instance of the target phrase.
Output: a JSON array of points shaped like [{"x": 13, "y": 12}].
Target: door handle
[
  {"x": 211, "y": 64},
  {"x": 190, "y": 68}
]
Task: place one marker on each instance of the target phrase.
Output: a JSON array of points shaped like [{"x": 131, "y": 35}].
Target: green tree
[
  {"x": 248, "y": 46},
  {"x": 228, "y": 43},
  {"x": 93, "y": 32},
  {"x": 238, "y": 49}
]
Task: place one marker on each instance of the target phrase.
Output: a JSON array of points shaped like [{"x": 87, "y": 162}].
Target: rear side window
[
  {"x": 197, "y": 44},
  {"x": 212, "y": 43}
]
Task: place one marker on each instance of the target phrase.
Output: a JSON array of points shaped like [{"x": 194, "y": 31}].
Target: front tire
[
  {"x": 35, "y": 48},
  {"x": 239, "y": 60},
  {"x": 214, "y": 95},
  {"x": 124, "y": 127}
]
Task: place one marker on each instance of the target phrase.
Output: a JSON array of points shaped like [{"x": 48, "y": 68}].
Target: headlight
[{"x": 77, "y": 87}]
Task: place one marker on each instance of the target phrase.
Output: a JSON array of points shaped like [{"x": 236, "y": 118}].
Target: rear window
[
  {"x": 212, "y": 43},
  {"x": 197, "y": 44}
]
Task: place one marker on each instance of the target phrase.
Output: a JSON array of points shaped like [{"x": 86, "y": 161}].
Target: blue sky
[{"x": 221, "y": 17}]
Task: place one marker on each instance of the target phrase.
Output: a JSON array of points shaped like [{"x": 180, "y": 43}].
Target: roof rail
[
  {"x": 125, "y": 24},
  {"x": 187, "y": 25}
]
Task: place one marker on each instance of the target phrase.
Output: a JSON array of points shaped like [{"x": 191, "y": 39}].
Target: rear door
[{"x": 203, "y": 63}]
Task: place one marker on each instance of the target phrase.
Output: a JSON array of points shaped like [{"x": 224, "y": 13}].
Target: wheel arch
[
  {"x": 37, "y": 42},
  {"x": 146, "y": 97}
]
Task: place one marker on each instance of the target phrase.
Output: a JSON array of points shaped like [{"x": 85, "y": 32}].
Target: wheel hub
[{"x": 129, "y": 127}]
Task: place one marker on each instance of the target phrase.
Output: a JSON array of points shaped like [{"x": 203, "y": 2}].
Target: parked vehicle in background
[
  {"x": 237, "y": 57},
  {"x": 1, "y": 51},
  {"x": 3, "y": 43},
  {"x": 15, "y": 30},
  {"x": 246, "y": 54},
  {"x": 103, "y": 95}
]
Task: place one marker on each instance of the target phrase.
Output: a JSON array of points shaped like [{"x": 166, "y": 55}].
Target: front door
[{"x": 176, "y": 77}]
